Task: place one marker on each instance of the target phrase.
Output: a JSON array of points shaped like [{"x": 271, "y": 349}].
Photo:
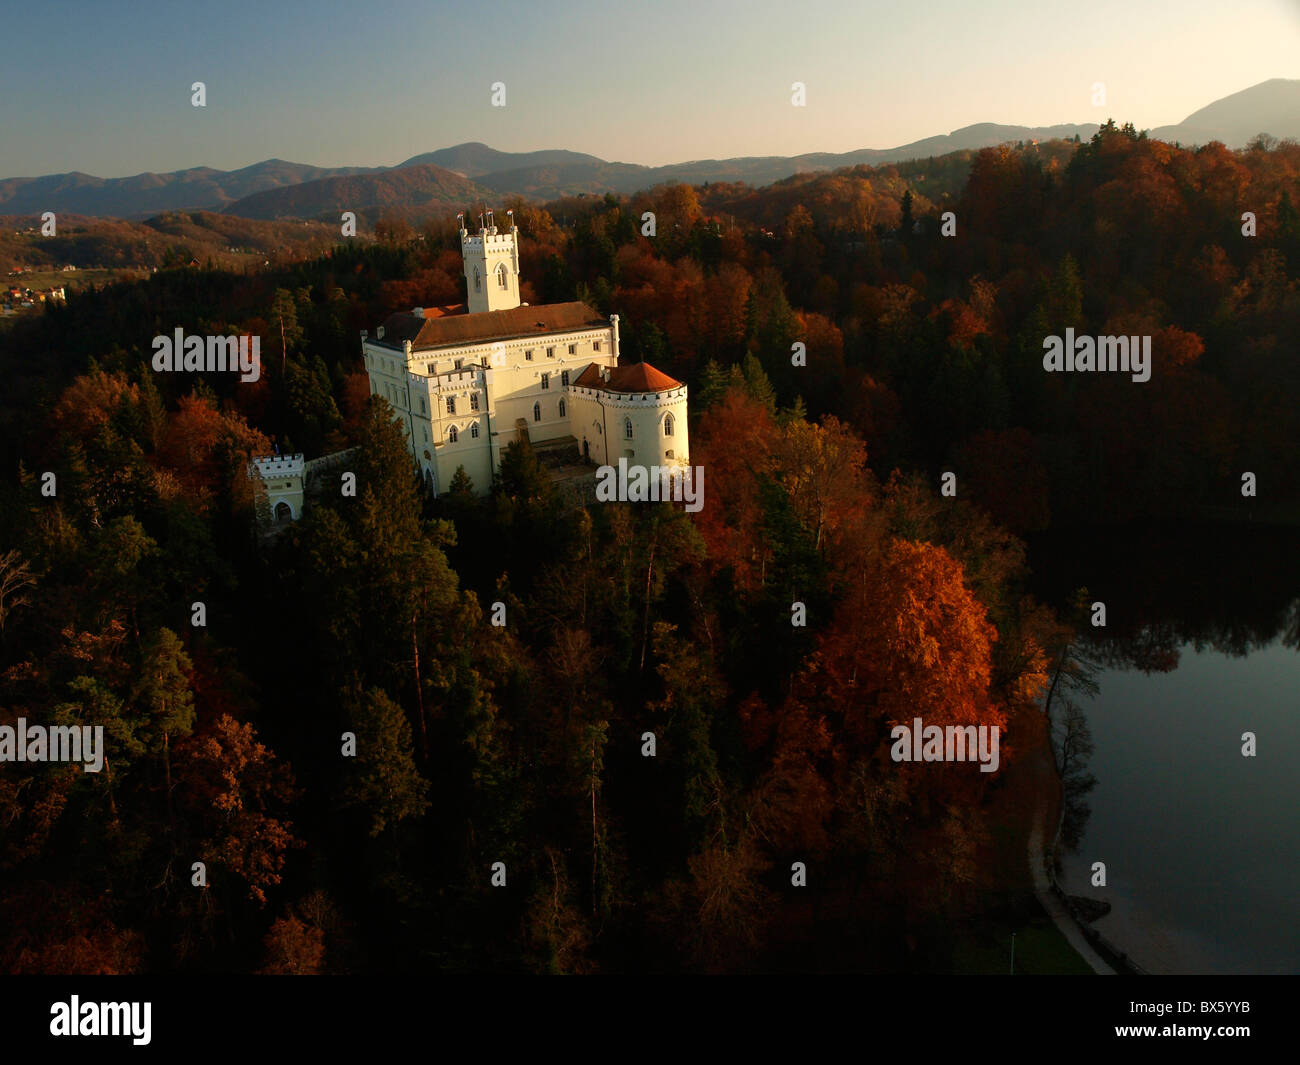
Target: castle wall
[{"x": 497, "y": 387}]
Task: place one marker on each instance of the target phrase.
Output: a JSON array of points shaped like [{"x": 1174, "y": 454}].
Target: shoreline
[
  {"x": 1135, "y": 934},
  {"x": 1043, "y": 765}
]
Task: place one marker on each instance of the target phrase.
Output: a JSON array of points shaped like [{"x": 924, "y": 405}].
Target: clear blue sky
[{"x": 104, "y": 87}]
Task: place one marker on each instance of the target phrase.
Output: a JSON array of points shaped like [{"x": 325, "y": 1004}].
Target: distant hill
[
  {"x": 142, "y": 195},
  {"x": 474, "y": 159},
  {"x": 405, "y": 186},
  {"x": 118, "y": 246},
  {"x": 1271, "y": 107},
  {"x": 457, "y": 175},
  {"x": 549, "y": 182}
]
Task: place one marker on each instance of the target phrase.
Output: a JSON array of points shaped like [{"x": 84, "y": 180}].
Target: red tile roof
[
  {"x": 640, "y": 377},
  {"x": 445, "y": 310},
  {"x": 636, "y": 377},
  {"x": 451, "y": 329}
]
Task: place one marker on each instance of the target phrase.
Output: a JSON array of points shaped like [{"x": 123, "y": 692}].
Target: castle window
[
  {"x": 529, "y": 354},
  {"x": 564, "y": 377},
  {"x": 503, "y": 280},
  {"x": 473, "y": 401},
  {"x": 473, "y": 430},
  {"x": 668, "y": 425},
  {"x": 668, "y": 454},
  {"x": 627, "y": 428},
  {"x": 452, "y": 434},
  {"x": 546, "y": 380},
  {"x": 457, "y": 364},
  {"x": 478, "y": 281},
  {"x": 573, "y": 349},
  {"x": 484, "y": 360},
  {"x": 595, "y": 345},
  {"x": 537, "y": 412},
  {"x": 550, "y": 353},
  {"x": 451, "y": 404},
  {"x": 562, "y": 408},
  {"x": 421, "y": 404}
]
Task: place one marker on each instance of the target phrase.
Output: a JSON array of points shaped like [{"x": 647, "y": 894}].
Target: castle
[{"x": 466, "y": 380}]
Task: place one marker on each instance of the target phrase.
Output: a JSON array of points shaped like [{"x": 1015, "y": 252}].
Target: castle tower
[{"x": 491, "y": 265}]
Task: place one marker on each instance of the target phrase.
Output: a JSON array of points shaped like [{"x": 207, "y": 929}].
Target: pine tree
[{"x": 386, "y": 785}]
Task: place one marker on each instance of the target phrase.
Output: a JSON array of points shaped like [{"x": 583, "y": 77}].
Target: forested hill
[
  {"x": 930, "y": 346},
  {"x": 524, "y": 744}
]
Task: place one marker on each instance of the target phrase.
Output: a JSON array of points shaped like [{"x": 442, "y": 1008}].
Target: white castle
[{"x": 466, "y": 380}]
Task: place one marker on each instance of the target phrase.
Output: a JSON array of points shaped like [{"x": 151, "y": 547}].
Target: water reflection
[{"x": 1201, "y": 844}]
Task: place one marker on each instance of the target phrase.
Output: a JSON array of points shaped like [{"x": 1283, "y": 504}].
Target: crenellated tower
[{"x": 491, "y": 259}]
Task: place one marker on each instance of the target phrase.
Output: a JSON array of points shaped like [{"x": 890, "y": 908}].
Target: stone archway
[{"x": 283, "y": 513}]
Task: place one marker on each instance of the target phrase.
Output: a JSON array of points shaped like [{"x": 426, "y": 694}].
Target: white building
[
  {"x": 281, "y": 477},
  {"x": 466, "y": 380}
]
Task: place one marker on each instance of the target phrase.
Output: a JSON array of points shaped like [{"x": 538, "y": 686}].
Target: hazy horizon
[{"x": 333, "y": 85}]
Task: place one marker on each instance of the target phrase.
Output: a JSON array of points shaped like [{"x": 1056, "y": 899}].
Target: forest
[{"x": 502, "y": 811}]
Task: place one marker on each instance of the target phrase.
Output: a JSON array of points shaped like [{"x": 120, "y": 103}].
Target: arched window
[
  {"x": 478, "y": 281},
  {"x": 668, "y": 425},
  {"x": 473, "y": 430},
  {"x": 537, "y": 412},
  {"x": 451, "y": 434},
  {"x": 627, "y": 428},
  {"x": 503, "y": 276},
  {"x": 562, "y": 408}
]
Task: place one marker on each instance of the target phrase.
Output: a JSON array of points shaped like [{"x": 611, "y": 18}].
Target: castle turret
[{"x": 491, "y": 265}]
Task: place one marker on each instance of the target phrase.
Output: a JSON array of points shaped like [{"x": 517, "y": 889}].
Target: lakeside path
[{"x": 1047, "y": 898}]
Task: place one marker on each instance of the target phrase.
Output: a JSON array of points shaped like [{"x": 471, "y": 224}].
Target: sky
[{"x": 104, "y": 87}]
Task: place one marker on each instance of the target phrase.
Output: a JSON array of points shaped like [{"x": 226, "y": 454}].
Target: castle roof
[
  {"x": 452, "y": 329},
  {"x": 636, "y": 377}
]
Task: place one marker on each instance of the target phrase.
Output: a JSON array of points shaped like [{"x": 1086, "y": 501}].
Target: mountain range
[{"x": 467, "y": 172}]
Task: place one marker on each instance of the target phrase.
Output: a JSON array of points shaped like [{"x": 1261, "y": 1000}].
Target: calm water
[{"x": 1201, "y": 845}]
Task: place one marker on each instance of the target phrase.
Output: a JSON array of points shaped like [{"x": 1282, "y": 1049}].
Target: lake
[{"x": 1201, "y": 845}]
